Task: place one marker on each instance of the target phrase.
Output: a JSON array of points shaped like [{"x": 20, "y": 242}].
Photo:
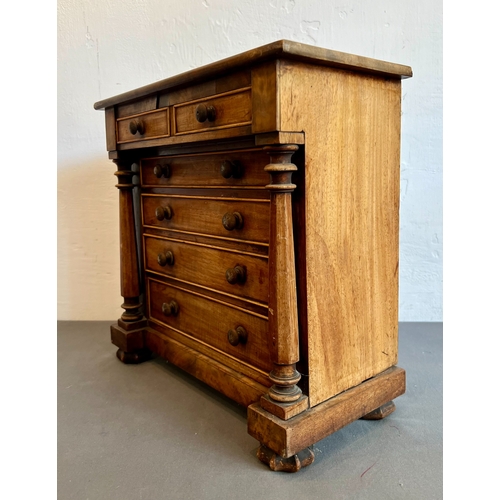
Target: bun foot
[
  {"x": 380, "y": 412},
  {"x": 134, "y": 357},
  {"x": 291, "y": 464}
]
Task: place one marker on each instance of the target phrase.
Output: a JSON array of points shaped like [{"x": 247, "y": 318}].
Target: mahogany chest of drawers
[{"x": 259, "y": 218}]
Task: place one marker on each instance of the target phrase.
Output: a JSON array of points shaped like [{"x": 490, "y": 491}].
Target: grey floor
[{"x": 150, "y": 431}]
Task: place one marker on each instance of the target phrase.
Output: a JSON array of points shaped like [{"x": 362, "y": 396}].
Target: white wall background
[{"x": 106, "y": 47}]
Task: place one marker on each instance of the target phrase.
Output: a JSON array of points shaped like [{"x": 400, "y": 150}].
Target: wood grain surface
[
  {"x": 232, "y": 109},
  {"x": 204, "y": 215},
  {"x": 218, "y": 319},
  {"x": 204, "y": 170},
  {"x": 351, "y": 220},
  {"x": 156, "y": 123},
  {"x": 207, "y": 265}
]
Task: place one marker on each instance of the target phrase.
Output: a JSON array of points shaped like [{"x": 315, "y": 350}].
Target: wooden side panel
[{"x": 351, "y": 123}]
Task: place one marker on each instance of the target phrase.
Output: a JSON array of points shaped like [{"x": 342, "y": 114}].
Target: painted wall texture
[{"x": 108, "y": 47}]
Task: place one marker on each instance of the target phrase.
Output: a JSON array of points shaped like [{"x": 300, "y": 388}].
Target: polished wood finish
[
  {"x": 213, "y": 170},
  {"x": 267, "y": 211},
  {"x": 219, "y": 319},
  {"x": 283, "y": 314},
  {"x": 150, "y": 125},
  {"x": 209, "y": 135},
  {"x": 232, "y": 109},
  {"x": 209, "y": 215},
  {"x": 209, "y": 267},
  {"x": 129, "y": 265}
]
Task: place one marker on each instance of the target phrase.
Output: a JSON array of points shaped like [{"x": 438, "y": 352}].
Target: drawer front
[
  {"x": 232, "y": 109},
  {"x": 231, "y": 169},
  {"x": 241, "y": 275},
  {"x": 151, "y": 125},
  {"x": 228, "y": 329},
  {"x": 234, "y": 219}
]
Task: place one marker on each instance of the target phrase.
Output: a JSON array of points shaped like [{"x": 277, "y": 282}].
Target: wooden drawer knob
[
  {"x": 204, "y": 113},
  {"x": 236, "y": 274},
  {"x": 170, "y": 309},
  {"x": 163, "y": 213},
  {"x": 161, "y": 171},
  {"x": 166, "y": 258},
  {"x": 232, "y": 169},
  {"x": 232, "y": 221},
  {"x": 237, "y": 336},
  {"x": 137, "y": 126}
]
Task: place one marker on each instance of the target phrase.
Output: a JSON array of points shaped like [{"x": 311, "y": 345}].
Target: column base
[{"x": 129, "y": 337}]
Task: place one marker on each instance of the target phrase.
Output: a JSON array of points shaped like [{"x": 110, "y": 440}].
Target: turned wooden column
[
  {"x": 284, "y": 399},
  {"x": 129, "y": 266},
  {"x": 128, "y": 333}
]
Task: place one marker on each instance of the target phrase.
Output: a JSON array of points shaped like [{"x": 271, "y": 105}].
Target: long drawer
[
  {"x": 234, "y": 218},
  {"x": 231, "y": 330},
  {"x": 231, "y": 169},
  {"x": 218, "y": 269}
]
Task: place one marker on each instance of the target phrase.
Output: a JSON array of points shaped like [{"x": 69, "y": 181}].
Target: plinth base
[{"x": 287, "y": 438}]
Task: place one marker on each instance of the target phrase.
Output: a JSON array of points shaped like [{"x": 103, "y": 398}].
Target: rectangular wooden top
[{"x": 283, "y": 49}]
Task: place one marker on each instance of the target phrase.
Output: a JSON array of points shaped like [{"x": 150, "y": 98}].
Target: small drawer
[
  {"x": 231, "y": 330},
  {"x": 232, "y": 219},
  {"x": 150, "y": 125},
  {"x": 229, "y": 272},
  {"x": 231, "y": 109},
  {"x": 231, "y": 169}
]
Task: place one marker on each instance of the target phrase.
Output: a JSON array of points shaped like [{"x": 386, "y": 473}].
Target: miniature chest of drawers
[{"x": 259, "y": 219}]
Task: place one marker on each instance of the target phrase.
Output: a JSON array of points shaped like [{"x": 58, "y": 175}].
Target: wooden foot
[
  {"x": 291, "y": 464},
  {"x": 381, "y": 412},
  {"x": 134, "y": 357}
]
